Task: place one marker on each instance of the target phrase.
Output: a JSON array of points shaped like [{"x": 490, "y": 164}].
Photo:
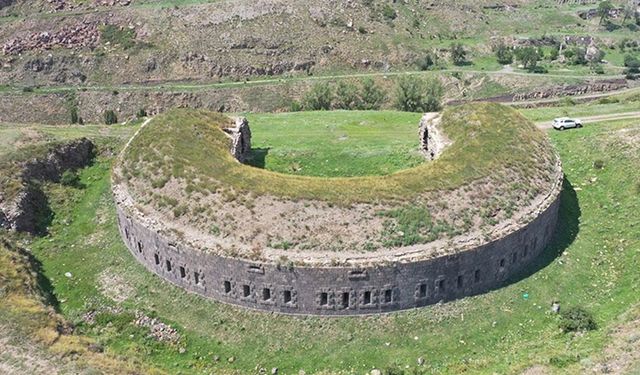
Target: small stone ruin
[
  {"x": 240, "y": 135},
  {"x": 432, "y": 140}
]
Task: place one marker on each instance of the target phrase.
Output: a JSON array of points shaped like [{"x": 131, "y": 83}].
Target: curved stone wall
[{"x": 340, "y": 290}]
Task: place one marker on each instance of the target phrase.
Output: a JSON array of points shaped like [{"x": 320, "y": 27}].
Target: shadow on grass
[
  {"x": 45, "y": 288},
  {"x": 566, "y": 232},
  {"x": 258, "y": 157}
]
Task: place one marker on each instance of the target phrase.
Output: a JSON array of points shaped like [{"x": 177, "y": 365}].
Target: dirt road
[{"x": 594, "y": 119}]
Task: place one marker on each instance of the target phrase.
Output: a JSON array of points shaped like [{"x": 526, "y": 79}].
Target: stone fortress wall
[{"x": 339, "y": 291}]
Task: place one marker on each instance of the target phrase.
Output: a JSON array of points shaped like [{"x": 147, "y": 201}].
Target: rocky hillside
[{"x": 62, "y": 42}]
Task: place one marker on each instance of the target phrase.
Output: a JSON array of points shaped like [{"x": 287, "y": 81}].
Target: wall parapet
[{"x": 338, "y": 291}]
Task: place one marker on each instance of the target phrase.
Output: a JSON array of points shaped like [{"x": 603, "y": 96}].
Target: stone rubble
[
  {"x": 158, "y": 330},
  {"x": 80, "y": 35}
]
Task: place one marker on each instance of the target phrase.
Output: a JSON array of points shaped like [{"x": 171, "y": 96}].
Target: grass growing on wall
[{"x": 487, "y": 140}]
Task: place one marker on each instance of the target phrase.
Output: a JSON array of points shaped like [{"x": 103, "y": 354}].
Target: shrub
[
  {"x": 73, "y": 113},
  {"x": 576, "y": 319},
  {"x": 115, "y": 35},
  {"x": 347, "y": 96},
  {"x": 579, "y": 56},
  {"x": 417, "y": 95},
  {"x": 141, "y": 113},
  {"x": 295, "y": 106},
  {"x": 372, "y": 96},
  {"x": 539, "y": 69},
  {"x": 388, "y": 12},
  {"x": 110, "y": 117},
  {"x": 504, "y": 54},
  {"x": 631, "y": 61},
  {"x": 528, "y": 57},
  {"x": 427, "y": 61},
  {"x": 597, "y": 69},
  {"x": 598, "y": 164},
  {"x": 69, "y": 178},
  {"x": 319, "y": 97},
  {"x": 458, "y": 54}
]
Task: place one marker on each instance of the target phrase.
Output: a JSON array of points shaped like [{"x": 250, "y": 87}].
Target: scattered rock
[
  {"x": 231, "y": 359},
  {"x": 68, "y": 274},
  {"x": 158, "y": 330},
  {"x": 420, "y": 361},
  {"x": 81, "y": 35},
  {"x": 376, "y": 372}
]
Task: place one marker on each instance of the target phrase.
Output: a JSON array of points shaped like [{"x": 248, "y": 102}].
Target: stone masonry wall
[{"x": 339, "y": 290}]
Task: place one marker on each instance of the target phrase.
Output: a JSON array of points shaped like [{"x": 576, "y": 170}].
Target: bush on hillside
[
  {"x": 319, "y": 97},
  {"x": 504, "y": 54},
  {"x": 458, "y": 54},
  {"x": 347, "y": 96},
  {"x": 110, "y": 117},
  {"x": 417, "y": 95},
  {"x": 70, "y": 178},
  {"x": 371, "y": 96},
  {"x": 577, "y": 319}
]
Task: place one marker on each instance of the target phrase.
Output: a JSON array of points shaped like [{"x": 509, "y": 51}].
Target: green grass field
[
  {"x": 592, "y": 263},
  {"x": 353, "y": 143}
]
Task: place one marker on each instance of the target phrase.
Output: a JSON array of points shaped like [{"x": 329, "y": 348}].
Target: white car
[{"x": 566, "y": 123}]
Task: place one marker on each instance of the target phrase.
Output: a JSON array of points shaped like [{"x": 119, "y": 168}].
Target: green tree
[
  {"x": 603, "y": 10},
  {"x": 417, "y": 95},
  {"x": 528, "y": 57},
  {"x": 74, "y": 115},
  {"x": 458, "y": 54},
  {"x": 347, "y": 96},
  {"x": 372, "y": 96},
  {"x": 110, "y": 117},
  {"x": 504, "y": 54},
  {"x": 319, "y": 97}
]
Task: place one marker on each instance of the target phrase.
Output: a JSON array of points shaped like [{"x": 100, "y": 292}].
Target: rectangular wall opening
[
  {"x": 227, "y": 287},
  {"x": 196, "y": 278},
  {"x": 156, "y": 258},
  {"x": 324, "y": 299},
  {"x": 367, "y": 298},
  {"x": 126, "y": 233},
  {"x": 168, "y": 264},
  {"x": 460, "y": 281},
  {"x": 345, "y": 300},
  {"x": 388, "y": 295},
  {"x": 287, "y": 296},
  {"x": 266, "y": 294},
  {"x": 502, "y": 262},
  {"x": 422, "y": 290},
  {"x": 140, "y": 247},
  {"x": 246, "y": 290},
  {"x": 183, "y": 272},
  {"x": 514, "y": 258},
  {"x": 441, "y": 285},
  {"x": 476, "y": 276}
]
